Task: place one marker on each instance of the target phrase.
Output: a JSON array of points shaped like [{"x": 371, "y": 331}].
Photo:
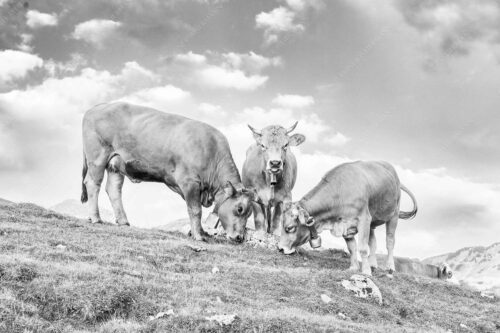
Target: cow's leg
[
  {"x": 353, "y": 250},
  {"x": 114, "y": 186},
  {"x": 363, "y": 238},
  {"x": 93, "y": 181},
  {"x": 373, "y": 250},
  {"x": 269, "y": 217},
  {"x": 259, "y": 216},
  {"x": 276, "y": 224},
  {"x": 390, "y": 240},
  {"x": 192, "y": 195}
]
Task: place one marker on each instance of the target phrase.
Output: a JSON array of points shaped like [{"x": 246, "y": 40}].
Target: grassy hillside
[{"x": 59, "y": 274}]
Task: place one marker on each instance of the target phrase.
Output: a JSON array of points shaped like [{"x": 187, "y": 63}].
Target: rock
[
  {"x": 196, "y": 248},
  {"x": 61, "y": 247},
  {"x": 218, "y": 299},
  {"x": 262, "y": 239},
  {"x": 325, "y": 298},
  {"x": 363, "y": 287},
  {"x": 223, "y": 320},
  {"x": 162, "y": 314},
  {"x": 343, "y": 316},
  {"x": 464, "y": 326},
  {"x": 215, "y": 270}
]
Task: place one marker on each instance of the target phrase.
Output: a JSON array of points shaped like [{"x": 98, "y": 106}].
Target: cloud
[
  {"x": 284, "y": 19},
  {"x": 96, "y": 31},
  {"x": 293, "y": 101},
  {"x": 453, "y": 28},
  {"x": 36, "y": 19},
  {"x": 210, "y": 110},
  {"x": 231, "y": 70},
  {"x": 277, "y": 21},
  {"x": 301, "y": 5},
  {"x": 161, "y": 97},
  {"x": 16, "y": 64},
  {"x": 56, "y": 68},
  {"x": 219, "y": 77},
  {"x": 191, "y": 58},
  {"x": 25, "y": 46},
  {"x": 57, "y": 100},
  {"x": 251, "y": 61}
]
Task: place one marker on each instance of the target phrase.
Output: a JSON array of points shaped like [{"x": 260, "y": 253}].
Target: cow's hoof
[
  {"x": 373, "y": 268},
  {"x": 391, "y": 271},
  {"x": 200, "y": 238},
  {"x": 123, "y": 224},
  {"x": 96, "y": 221}
]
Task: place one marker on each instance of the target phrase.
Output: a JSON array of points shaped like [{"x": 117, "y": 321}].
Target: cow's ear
[
  {"x": 229, "y": 189},
  {"x": 296, "y": 139}
]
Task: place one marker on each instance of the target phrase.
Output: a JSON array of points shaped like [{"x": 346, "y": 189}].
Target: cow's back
[
  {"x": 155, "y": 137},
  {"x": 360, "y": 183}
]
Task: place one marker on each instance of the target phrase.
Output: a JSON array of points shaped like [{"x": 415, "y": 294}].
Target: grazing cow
[
  {"x": 353, "y": 198},
  {"x": 190, "y": 157},
  {"x": 270, "y": 167}
]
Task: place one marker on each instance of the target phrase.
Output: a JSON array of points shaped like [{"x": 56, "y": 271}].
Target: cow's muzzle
[{"x": 275, "y": 167}]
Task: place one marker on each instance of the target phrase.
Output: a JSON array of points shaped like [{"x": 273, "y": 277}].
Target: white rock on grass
[
  {"x": 196, "y": 248},
  {"x": 363, "y": 287},
  {"x": 223, "y": 320},
  {"x": 215, "y": 270},
  {"x": 61, "y": 247},
  {"x": 162, "y": 314},
  {"x": 325, "y": 298}
]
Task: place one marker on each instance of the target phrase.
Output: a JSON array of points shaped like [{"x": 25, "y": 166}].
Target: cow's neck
[
  {"x": 320, "y": 209},
  {"x": 225, "y": 171}
]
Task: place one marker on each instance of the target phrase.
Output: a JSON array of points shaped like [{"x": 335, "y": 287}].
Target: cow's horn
[
  {"x": 254, "y": 130},
  {"x": 288, "y": 131}
]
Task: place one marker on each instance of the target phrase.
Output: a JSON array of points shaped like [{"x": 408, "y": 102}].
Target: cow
[
  {"x": 352, "y": 198},
  {"x": 192, "y": 158},
  {"x": 271, "y": 168}
]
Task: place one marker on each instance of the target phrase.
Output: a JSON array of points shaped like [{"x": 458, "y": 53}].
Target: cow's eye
[
  {"x": 290, "y": 229},
  {"x": 239, "y": 210},
  {"x": 263, "y": 147}
]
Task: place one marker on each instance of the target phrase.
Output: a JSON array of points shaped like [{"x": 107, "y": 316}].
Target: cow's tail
[
  {"x": 84, "y": 197},
  {"x": 411, "y": 214}
]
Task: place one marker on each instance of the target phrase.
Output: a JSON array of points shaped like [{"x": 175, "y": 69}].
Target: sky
[{"x": 415, "y": 83}]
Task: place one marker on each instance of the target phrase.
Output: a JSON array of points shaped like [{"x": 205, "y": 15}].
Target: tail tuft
[
  {"x": 84, "y": 197},
  {"x": 413, "y": 213}
]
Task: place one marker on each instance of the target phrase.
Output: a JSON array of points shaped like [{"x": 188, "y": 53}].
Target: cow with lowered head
[
  {"x": 352, "y": 198},
  {"x": 190, "y": 157},
  {"x": 271, "y": 168}
]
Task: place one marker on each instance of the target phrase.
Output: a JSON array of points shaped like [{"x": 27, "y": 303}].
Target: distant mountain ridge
[
  {"x": 74, "y": 208},
  {"x": 478, "y": 266}
]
